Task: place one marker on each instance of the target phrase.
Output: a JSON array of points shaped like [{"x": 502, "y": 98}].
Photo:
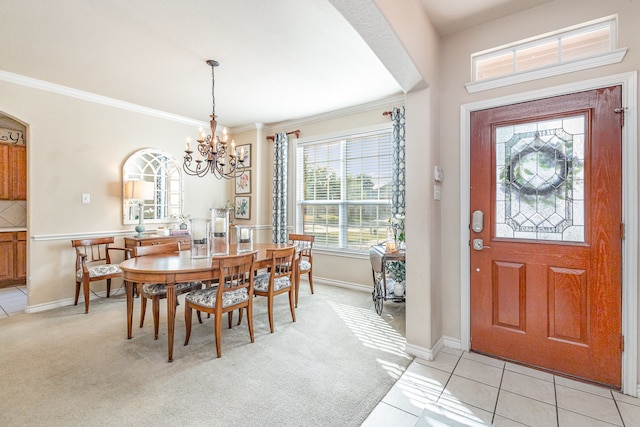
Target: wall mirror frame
[{"x": 160, "y": 168}]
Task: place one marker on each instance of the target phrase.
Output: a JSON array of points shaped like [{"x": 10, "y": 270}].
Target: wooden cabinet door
[
  {"x": 6, "y": 258},
  {"x": 13, "y": 172},
  {"x": 21, "y": 256},
  {"x": 18, "y": 161},
  {"x": 5, "y": 176}
]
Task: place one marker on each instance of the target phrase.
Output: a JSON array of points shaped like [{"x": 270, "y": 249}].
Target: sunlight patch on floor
[
  {"x": 394, "y": 370},
  {"x": 371, "y": 329}
]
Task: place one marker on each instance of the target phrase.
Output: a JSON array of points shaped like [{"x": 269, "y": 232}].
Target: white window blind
[{"x": 344, "y": 189}]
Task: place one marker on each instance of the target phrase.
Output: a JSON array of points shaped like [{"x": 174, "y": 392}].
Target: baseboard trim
[
  {"x": 432, "y": 353},
  {"x": 37, "y": 308},
  {"x": 69, "y": 301},
  {"x": 340, "y": 284}
]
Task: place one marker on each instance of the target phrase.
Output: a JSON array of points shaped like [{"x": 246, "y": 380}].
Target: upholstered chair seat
[
  {"x": 207, "y": 297},
  {"x": 305, "y": 265},
  {"x": 160, "y": 289},
  {"x": 261, "y": 282},
  {"x": 99, "y": 271}
]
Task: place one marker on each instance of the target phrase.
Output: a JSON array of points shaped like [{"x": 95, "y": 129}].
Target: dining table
[{"x": 179, "y": 268}]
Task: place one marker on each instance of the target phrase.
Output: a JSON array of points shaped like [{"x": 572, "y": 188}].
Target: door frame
[{"x": 628, "y": 81}]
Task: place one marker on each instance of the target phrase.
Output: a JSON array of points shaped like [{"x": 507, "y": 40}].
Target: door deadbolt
[{"x": 477, "y": 221}]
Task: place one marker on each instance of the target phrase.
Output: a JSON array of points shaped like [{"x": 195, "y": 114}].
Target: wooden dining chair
[
  {"x": 278, "y": 280},
  {"x": 234, "y": 291},
  {"x": 93, "y": 263},
  {"x": 304, "y": 242},
  {"x": 157, "y": 291}
]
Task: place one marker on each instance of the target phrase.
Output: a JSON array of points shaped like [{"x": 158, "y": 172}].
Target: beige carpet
[{"x": 330, "y": 368}]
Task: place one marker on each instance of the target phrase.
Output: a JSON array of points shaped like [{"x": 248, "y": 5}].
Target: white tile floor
[
  {"x": 13, "y": 300},
  {"x": 468, "y": 389}
]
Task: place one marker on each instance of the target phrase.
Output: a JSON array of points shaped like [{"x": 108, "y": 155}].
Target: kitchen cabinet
[
  {"x": 13, "y": 172},
  {"x": 21, "y": 256},
  {"x": 13, "y": 258}
]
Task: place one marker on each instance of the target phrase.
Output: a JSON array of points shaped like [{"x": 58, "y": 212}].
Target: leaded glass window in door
[{"x": 540, "y": 180}]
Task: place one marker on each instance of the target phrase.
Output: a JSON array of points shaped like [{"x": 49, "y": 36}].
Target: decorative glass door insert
[{"x": 540, "y": 180}]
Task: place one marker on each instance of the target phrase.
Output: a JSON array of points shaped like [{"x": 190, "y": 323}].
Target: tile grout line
[
  {"x": 495, "y": 407},
  {"x": 587, "y": 416},
  {"x": 615, "y": 402},
  {"x": 448, "y": 379},
  {"x": 555, "y": 396}
]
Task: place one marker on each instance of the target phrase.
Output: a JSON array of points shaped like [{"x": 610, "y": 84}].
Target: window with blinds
[{"x": 344, "y": 189}]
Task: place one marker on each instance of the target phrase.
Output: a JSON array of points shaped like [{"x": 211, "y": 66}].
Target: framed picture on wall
[
  {"x": 246, "y": 150},
  {"x": 243, "y": 207},
  {"x": 243, "y": 183}
]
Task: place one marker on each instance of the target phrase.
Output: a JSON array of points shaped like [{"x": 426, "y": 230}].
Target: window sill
[{"x": 341, "y": 253}]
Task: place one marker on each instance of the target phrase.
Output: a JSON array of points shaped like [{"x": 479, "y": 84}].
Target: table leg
[
  {"x": 171, "y": 316},
  {"x": 129, "y": 292}
]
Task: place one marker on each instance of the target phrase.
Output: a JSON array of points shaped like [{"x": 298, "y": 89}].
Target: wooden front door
[{"x": 546, "y": 234}]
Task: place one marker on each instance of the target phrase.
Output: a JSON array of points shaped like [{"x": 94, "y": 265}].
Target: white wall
[
  {"x": 76, "y": 147},
  {"x": 424, "y": 284}
]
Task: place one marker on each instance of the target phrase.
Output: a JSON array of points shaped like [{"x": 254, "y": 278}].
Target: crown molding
[
  {"x": 94, "y": 98},
  {"x": 116, "y": 103},
  {"x": 381, "y": 103}
]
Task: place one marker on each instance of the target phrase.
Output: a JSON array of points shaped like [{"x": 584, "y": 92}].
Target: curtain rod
[
  {"x": 296, "y": 132},
  {"x": 387, "y": 113}
]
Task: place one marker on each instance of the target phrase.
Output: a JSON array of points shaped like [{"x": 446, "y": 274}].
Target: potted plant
[
  {"x": 183, "y": 219},
  {"x": 228, "y": 205}
]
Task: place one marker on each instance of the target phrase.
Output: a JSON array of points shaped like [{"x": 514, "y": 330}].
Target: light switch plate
[{"x": 86, "y": 198}]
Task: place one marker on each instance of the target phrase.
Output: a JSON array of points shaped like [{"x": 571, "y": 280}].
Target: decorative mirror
[{"x": 160, "y": 178}]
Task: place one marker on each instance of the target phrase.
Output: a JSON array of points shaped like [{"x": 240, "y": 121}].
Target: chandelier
[{"x": 214, "y": 155}]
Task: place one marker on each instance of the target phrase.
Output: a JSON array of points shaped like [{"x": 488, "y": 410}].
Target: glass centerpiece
[
  {"x": 200, "y": 231},
  {"x": 244, "y": 235},
  {"x": 220, "y": 232}
]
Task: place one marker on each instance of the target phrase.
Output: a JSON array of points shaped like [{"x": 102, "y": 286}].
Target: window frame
[
  {"x": 298, "y": 184},
  {"x": 611, "y": 56}
]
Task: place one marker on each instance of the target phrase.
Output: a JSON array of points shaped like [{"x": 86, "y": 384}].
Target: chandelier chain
[{"x": 213, "y": 92}]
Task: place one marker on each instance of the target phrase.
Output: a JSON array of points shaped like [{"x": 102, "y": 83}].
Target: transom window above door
[{"x": 587, "y": 45}]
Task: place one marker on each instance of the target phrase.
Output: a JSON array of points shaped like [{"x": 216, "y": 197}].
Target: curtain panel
[
  {"x": 398, "y": 172},
  {"x": 280, "y": 151}
]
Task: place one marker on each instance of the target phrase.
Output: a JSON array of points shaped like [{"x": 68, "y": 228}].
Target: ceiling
[
  {"x": 449, "y": 16},
  {"x": 279, "y": 59}
]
